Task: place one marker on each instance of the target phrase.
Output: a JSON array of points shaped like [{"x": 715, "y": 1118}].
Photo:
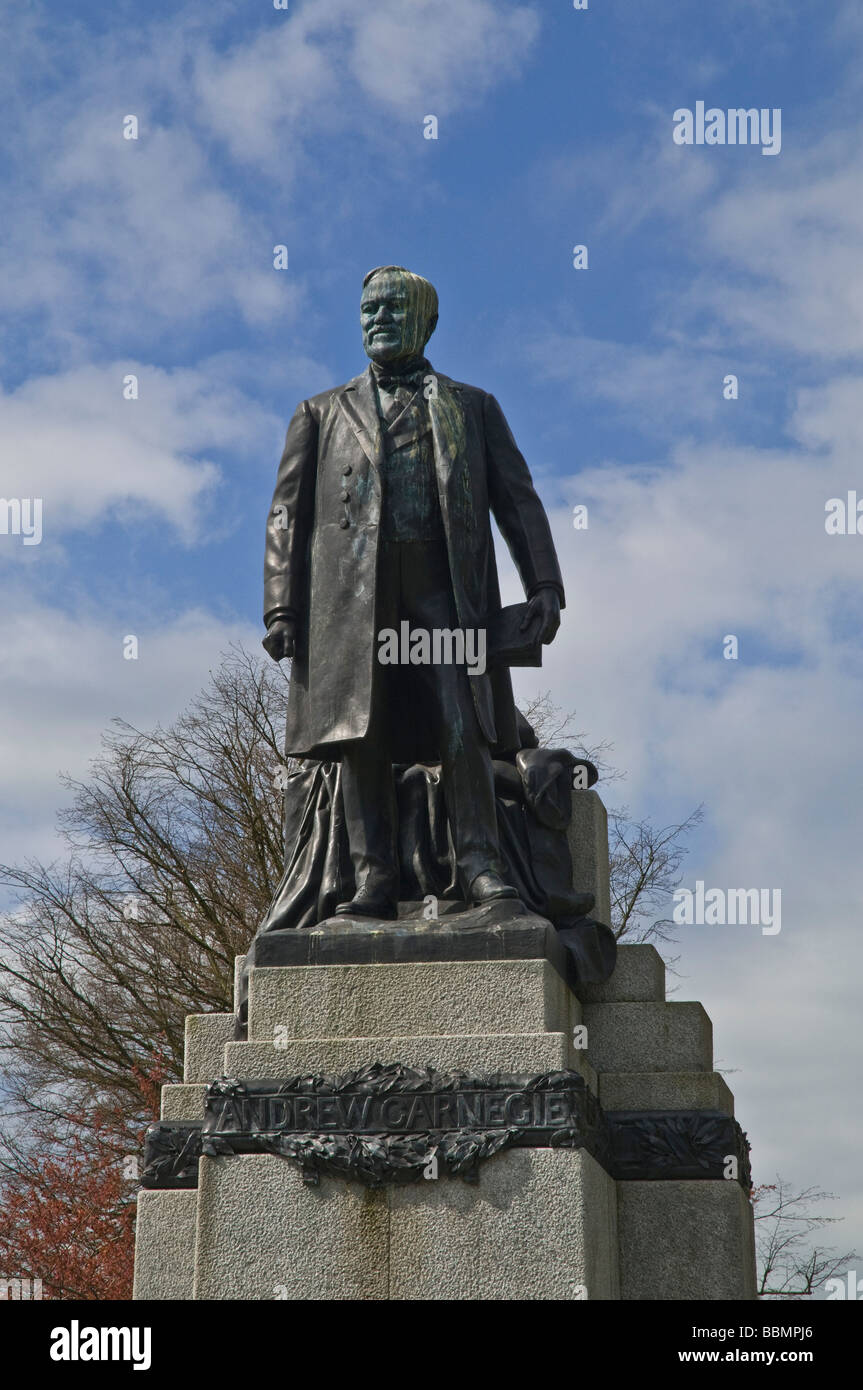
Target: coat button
[
  {"x": 347, "y": 470},
  {"x": 344, "y": 523}
]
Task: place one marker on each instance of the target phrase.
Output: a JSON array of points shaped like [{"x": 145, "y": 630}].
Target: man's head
[{"x": 398, "y": 313}]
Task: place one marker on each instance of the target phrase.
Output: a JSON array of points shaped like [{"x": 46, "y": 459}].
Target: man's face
[{"x": 389, "y": 312}]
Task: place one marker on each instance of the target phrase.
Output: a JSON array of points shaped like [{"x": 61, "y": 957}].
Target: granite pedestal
[{"x": 648, "y": 1203}]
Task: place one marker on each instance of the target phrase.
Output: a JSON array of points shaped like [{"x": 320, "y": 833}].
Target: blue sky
[{"x": 260, "y": 127}]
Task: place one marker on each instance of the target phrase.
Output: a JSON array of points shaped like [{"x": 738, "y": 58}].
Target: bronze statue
[{"x": 380, "y": 519}]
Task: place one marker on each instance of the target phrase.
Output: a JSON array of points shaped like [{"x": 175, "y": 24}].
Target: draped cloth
[{"x": 533, "y": 801}]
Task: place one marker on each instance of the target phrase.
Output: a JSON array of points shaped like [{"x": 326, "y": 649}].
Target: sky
[{"x": 305, "y": 127}]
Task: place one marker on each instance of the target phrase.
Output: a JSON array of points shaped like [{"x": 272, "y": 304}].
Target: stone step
[
  {"x": 206, "y": 1035},
  {"x": 670, "y": 1090},
  {"x": 649, "y": 1037},
  {"x": 183, "y": 1102},
  {"x": 638, "y": 977},
  {"x": 420, "y": 999},
  {"x": 521, "y": 1053}
]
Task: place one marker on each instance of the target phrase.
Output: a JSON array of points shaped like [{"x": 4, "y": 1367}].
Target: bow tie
[{"x": 412, "y": 380}]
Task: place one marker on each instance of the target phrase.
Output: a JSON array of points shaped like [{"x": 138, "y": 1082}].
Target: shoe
[
  {"x": 488, "y": 887},
  {"x": 369, "y": 903}
]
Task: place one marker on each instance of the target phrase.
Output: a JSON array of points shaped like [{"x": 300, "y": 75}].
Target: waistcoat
[{"x": 410, "y": 506}]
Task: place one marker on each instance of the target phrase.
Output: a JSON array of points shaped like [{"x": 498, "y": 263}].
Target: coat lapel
[
  {"x": 448, "y": 430},
  {"x": 452, "y": 465},
  {"x": 357, "y": 400}
]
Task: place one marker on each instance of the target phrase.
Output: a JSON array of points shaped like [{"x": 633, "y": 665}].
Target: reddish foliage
[{"x": 67, "y": 1210}]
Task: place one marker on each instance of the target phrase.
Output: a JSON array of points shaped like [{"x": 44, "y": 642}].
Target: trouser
[{"x": 413, "y": 583}]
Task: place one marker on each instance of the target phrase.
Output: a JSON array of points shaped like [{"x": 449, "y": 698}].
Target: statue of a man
[{"x": 380, "y": 522}]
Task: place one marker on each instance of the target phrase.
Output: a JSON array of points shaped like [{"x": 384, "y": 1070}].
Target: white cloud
[
  {"x": 335, "y": 65},
  {"x": 69, "y": 679},
  {"x": 73, "y": 440},
  {"x": 792, "y": 243},
  {"x": 118, "y": 225},
  {"x": 663, "y": 388},
  {"x": 625, "y": 183},
  {"x": 132, "y": 234},
  {"x": 447, "y": 53},
  {"x": 768, "y": 252}
]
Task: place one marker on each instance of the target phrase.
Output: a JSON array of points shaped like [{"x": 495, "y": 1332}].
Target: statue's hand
[
  {"x": 543, "y": 609},
  {"x": 280, "y": 641}
]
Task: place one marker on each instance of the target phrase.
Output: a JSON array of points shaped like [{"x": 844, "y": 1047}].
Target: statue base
[
  {"x": 583, "y": 952},
  {"x": 583, "y": 1146}
]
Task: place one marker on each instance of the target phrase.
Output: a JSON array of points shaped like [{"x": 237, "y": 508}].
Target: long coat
[{"x": 324, "y": 570}]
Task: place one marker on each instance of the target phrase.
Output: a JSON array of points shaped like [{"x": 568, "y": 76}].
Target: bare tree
[
  {"x": 645, "y": 863},
  {"x": 554, "y": 728},
  {"x": 175, "y": 850},
  {"x": 788, "y": 1265}
]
